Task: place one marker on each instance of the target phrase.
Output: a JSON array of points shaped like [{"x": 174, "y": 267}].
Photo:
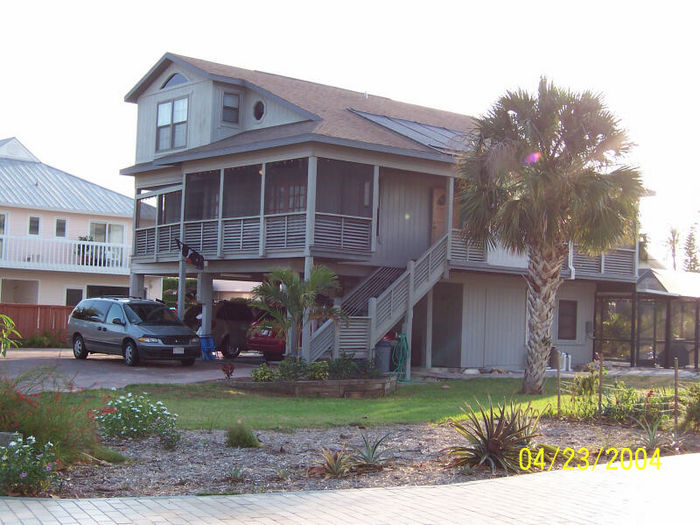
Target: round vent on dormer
[{"x": 259, "y": 110}]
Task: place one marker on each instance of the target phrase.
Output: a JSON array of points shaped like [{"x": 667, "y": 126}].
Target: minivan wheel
[
  {"x": 131, "y": 354},
  {"x": 187, "y": 362},
  {"x": 79, "y": 350},
  {"x": 228, "y": 349}
]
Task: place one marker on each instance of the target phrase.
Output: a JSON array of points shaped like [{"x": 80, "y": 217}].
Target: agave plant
[
  {"x": 651, "y": 433},
  {"x": 495, "y": 436},
  {"x": 333, "y": 464},
  {"x": 370, "y": 456}
]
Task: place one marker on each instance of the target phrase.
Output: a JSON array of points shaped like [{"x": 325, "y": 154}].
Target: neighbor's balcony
[
  {"x": 35, "y": 253},
  {"x": 282, "y": 234}
]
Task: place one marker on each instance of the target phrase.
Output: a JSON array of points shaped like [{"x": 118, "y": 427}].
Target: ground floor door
[{"x": 447, "y": 325}]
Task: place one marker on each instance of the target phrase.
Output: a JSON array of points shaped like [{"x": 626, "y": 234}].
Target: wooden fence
[{"x": 31, "y": 319}]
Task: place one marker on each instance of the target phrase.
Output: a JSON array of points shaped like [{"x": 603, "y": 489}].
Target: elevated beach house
[{"x": 255, "y": 170}]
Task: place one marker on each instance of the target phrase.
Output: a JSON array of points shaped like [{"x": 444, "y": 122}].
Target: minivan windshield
[{"x": 148, "y": 313}]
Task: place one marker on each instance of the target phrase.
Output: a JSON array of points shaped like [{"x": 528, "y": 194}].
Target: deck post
[
  {"x": 205, "y": 296},
  {"x": 219, "y": 217},
  {"x": 310, "y": 205},
  {"x": 136, "y": 285},
  {"x": 261, "y": 247},
  {"x": 181, "y": 287},
  {"x": 450, "y": 214},
  {"x": 408, "y": 330},
  {"x": 428, "y": 359},
  {"x": 375, "y": 209},
  {"x": 372, "y": 314}
]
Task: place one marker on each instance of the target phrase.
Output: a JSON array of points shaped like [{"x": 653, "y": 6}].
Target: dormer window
[
  {"x": 230, "y": 109},
  {"x": 172, "y": 125},
  {"x": 174, "y": 80}
]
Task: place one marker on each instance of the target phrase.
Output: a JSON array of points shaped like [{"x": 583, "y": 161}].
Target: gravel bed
[{"x": 203, "y": 464}]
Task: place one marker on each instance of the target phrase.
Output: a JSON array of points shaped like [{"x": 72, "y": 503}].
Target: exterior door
[{"x": 439, "y": 222}]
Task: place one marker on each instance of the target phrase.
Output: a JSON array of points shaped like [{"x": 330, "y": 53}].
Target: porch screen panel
[
  {"x": 285, "y": 186},
  {"x": 202, "y": 196},
  {"x": 146, "y": 212},
  {"x": 169, "y": 207},
  {"x": 344, "y": 188},
  {"x": 242, "y": 191}
]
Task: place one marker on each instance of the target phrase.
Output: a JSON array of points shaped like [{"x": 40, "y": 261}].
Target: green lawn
[{"x": 217, "y": 405}]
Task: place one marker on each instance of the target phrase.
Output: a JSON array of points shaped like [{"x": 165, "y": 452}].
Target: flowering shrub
[
  {"x": 137, "y": 416},
  {"x": 25, "y": 467}
]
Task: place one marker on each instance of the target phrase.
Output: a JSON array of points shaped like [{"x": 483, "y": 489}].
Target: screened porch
[{"x": 285, "y": 208}]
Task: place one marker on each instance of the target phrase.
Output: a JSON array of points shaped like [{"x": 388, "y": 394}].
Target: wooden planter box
[{"x": 343, "y": 388}]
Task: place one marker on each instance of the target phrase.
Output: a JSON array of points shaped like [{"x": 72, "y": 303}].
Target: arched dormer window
[{"x": 174, "y": 80}]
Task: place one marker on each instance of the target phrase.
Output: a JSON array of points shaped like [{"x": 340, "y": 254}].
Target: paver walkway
[{"x": 664, "y": 497}]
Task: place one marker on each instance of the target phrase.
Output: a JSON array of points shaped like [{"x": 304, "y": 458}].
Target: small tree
[
  {"x": 7, "y": 330},
  {"x": 691, "y": 263},
  {"x": 672, "y": 244},
  {"x": 291, "y": 301}
]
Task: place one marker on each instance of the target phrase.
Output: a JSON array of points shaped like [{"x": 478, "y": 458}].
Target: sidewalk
[{"x": 667, "y": 495}]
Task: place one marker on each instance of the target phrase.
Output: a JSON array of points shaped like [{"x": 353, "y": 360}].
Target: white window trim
[
  {"x": 224, "y": 123},
  {"x": 7, "y": 222},
  {"x": 29, "y": 222},
  {"x": 577, "y": 340},
  {"x": 172, "y": 100},
  {"x": 107, "y": 223},
  {"x": 56, "y": 219}
]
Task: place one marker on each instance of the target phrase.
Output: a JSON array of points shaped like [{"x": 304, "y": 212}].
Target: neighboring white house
[
  {"x": 62, "y": 238},
  {"x": 255, "y": 170}
]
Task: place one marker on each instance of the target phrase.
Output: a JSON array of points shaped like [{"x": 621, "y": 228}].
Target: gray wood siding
[
  {"x": 473, "y": 323},
  {"x": 583, "y": 293},
  {"x": 447, "y": 325},
  {"x": 405, "y": 203}
]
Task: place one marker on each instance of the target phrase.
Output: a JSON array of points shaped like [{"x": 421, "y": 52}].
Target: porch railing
[
  {"x": 343, "y": 231},
  {"x": 36, "y": 253}
]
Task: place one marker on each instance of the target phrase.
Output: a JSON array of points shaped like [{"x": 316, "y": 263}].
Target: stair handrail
[
  {"x": 315, "y": 353},
  {"x": 400, "y": 278}
]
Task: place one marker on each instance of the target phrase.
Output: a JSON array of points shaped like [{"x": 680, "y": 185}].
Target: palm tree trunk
[{"x": 543, "y": 281}]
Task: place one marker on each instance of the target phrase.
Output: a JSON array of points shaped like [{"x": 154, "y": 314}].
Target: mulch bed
[{"x": 203, "y": 464}]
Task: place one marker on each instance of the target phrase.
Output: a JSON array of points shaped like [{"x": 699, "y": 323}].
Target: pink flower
[{"x": 23, "y": 475}]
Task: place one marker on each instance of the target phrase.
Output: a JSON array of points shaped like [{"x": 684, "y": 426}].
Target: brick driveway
[
  {"x": 105, "y": 371},
  {"x": 662, "y": 497}
]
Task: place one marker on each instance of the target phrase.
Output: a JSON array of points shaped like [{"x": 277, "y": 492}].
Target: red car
[{"x": 261, "y": 338}]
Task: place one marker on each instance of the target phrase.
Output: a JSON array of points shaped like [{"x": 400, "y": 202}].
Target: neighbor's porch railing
[{"x": 36, "y": 253}]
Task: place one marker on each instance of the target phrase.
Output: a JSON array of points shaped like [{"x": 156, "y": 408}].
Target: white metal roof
[{"x": 27, "y": 182}]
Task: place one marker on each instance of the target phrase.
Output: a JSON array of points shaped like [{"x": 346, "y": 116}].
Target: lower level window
[
  {"x": 73, "y": 296},
  {"x": 567, "y": 320}
]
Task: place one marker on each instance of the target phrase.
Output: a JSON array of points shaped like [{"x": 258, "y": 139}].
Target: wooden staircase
[{"x": 378, "y": 303}]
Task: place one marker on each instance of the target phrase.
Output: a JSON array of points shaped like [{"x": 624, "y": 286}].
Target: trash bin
[{"x": 383, "y": 355}]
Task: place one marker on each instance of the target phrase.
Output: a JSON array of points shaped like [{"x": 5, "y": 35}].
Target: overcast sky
[{"x": 67, "y": 66}]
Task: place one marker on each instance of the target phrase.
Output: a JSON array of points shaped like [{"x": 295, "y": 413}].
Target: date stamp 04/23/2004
[{"x": 583, "y": 459}]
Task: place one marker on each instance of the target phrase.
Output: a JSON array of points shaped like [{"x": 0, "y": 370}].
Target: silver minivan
[{"x": 133, "y": 328}]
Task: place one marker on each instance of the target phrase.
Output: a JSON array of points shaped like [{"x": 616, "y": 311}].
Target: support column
[
  {"x": 667, "y": 352},
  {"x": 136, "y": 285},
  {"x": 450, "y": 214},
  {"x": 428, "y": 358},
  {"x": 306, "y": 330},
  {"x": 375, "y": 209},
  {"x": 310, "y": 204},
  {"x": 205, "y": 296},
  {"x": 408, "y": 323},
  {"x": 181, "y": 288},
  {"x": 261, "y": 248},
  {"x": 634, "y": 342}
]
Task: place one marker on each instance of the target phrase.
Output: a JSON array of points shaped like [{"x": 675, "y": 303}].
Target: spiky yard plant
[
  {"x": 332, "y": 464},
  {"x": 652, "y": 438},
  {"x": 372, "y": 455},
  {"x": 495, "y": 436}
]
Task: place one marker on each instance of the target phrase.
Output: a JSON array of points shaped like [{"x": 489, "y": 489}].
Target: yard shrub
[
  {"x": 317, "y": 371},
  {"x": 691, "y": 401},
  {"x": 367, "y": 368},
  {"x": 135, "y": 416},
  {"x": 583, "y": 390},
  {"x": 241, "y": 436},
  {"x": 263, "y": 374},
  {"x": 26, "y": 468},
  {"x": 48, "y": 417},
  {"x": 495, "y": 436},
  {"x": 44, "y": 340},
  {"x": 622, "y": 403},
  {"x": 292, "y": 369},
  {"x": 343, "y": 367}
]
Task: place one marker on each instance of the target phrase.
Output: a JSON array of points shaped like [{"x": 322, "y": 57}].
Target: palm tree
[
  {"x": 540, "y": 172},
  {"x": 291, "y": 301},
  {"x": 672, "y": 242}
]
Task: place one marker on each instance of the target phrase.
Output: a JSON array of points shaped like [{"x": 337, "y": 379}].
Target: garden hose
[{"x": 399, "y": 357}]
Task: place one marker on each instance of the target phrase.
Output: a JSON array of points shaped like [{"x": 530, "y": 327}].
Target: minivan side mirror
[{"x": 118, "y": 321}]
